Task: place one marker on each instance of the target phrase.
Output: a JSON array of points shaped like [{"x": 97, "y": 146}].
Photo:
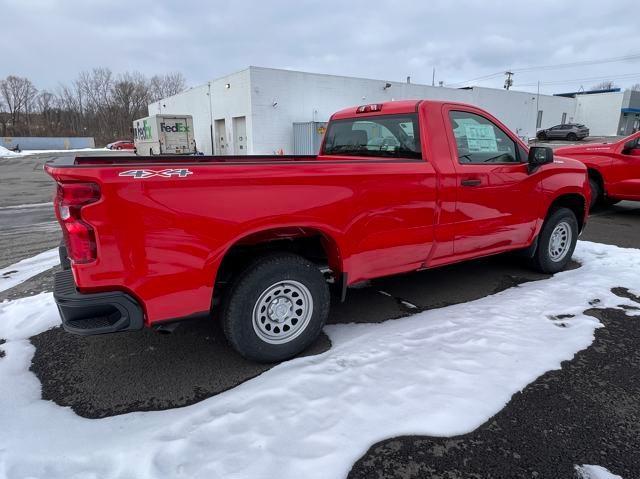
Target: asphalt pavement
[{"x": 587, "y": 412}]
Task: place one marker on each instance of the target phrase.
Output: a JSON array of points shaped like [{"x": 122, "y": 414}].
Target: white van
[{"x": 164, "y": 135}]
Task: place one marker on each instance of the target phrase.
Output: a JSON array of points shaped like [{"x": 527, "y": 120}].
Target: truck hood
[
  {"x": 587, "y": 149},
  {"x": 568, "y": 162}
]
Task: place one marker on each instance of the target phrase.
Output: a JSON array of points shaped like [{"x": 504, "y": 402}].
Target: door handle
[{"x": 470, "y": 182}]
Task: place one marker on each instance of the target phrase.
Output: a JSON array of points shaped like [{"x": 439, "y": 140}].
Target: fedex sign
[{"x": 176, "y": 128}]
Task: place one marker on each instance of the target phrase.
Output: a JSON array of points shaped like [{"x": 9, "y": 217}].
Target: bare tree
[
  {"x": 163, "y": 86},
  {"x": 98, "y": 103},
  {"x": 130, "y": 98},
  {"x": 604, "y": 85},
  {"x": 18, "y": 94},
  {"x": 635, "y": 87}
]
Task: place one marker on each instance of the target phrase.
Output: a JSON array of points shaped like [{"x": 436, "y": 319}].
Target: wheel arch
[
  {"x": 574, "y": 202},
  {"x": 597, "y": 175},
  {"x": 311, "y": 242}
]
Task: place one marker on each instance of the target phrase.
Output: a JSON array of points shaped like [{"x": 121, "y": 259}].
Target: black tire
[
  {"x": 572, "y": 137},
  {"x": 542, "y": 260},
  {"x": 596, "y": 192},
  {"x": 248, "y": 292},
  {"x": 542, "y": 136}
]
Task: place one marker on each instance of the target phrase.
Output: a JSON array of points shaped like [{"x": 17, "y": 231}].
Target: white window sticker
[{"x": 481, "y": 138}]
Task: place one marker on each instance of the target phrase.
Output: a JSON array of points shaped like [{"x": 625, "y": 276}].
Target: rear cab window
[
  {"x": 386, "y": 136},
  {"x": 480, "y": 141}
]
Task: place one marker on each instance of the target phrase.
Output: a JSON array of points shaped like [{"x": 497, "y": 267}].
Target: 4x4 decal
[{"x": 167, "y": 173}]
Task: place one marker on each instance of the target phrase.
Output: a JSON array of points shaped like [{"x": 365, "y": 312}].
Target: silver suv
[{"x": 567, "y": 131}]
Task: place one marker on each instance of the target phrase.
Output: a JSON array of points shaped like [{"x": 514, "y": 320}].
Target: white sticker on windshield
[{"x": 481, "y": 138}]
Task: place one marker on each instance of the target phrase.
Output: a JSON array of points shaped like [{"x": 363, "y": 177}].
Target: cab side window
[{"x": 480, "y": 141}]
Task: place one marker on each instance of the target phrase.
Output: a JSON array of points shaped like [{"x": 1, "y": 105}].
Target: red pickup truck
[
  {"x": 260, "y": 241},
  {"x": 614, "y": 168}
]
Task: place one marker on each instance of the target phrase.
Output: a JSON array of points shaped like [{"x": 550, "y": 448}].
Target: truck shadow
[
  {"x": 585, "y": 413},
  {"x": 102, "y": 376}
]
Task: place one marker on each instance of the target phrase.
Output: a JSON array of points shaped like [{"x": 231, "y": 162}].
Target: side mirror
[{"x": 538, "y": 156}]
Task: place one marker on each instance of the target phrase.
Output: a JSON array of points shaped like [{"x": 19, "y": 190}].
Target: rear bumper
[{"x": 94, "y": 313}]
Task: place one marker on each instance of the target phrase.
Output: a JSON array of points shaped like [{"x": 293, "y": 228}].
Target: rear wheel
[
  {"x": 542, "y": 135},
  {"x": 556, "y": 241},
  {"x": 276, "y": 308},
  {"x": 572, "y": 137}
]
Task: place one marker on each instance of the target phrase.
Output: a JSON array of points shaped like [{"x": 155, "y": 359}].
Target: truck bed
[{"x": 65, "y": 161}]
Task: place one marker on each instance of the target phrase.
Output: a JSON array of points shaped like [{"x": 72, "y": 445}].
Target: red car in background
[
  {"x": 614, "y": 168},
  {"x": 122, "y": 145}
]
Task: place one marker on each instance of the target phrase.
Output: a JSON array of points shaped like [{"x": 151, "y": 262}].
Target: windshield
[{"x": 395, "y": 136}]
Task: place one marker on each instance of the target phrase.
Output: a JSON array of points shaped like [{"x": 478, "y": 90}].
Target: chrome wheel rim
[
  {"x": 282, "y": 312},
  {"x": 560, "y": 241}
]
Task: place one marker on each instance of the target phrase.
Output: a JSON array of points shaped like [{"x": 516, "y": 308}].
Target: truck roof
[{"x": 388, "y": 108}]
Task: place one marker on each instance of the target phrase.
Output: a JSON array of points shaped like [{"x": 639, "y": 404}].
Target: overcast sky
[{"x": 51, "y": 41}]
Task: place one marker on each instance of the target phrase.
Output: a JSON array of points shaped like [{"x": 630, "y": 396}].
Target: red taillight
[{"x": 78, "y": 235}]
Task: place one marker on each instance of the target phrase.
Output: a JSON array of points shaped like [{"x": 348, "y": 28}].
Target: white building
[{"x": 253, "y": 111}]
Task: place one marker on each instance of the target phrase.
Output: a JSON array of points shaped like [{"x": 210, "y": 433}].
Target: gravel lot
[{"x": 585, "y": 413}]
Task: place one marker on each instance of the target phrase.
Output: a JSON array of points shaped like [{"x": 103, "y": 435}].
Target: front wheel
[
  {"x": 556, "y": 241},
  {"x": 276, "y": 308},
  {"x": 572, "y": 137}
]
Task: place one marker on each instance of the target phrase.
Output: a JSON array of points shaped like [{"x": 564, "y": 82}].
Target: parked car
[
  {"x": 258, "y": 241},
  {"x": 614, "y": 168},
  {"x": 567, "y": 131},
  {"x": 121, "y": 145}
]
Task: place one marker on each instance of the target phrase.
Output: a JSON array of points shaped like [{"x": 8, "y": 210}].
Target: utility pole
[
  {"x": 433, "y": 77},
  {"x": 210, "y": 118},
  {"x": 508, "y": 82},
  {"x": 537, "y": 109}
]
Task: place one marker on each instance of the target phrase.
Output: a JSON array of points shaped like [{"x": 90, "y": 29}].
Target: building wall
[
  {"x": 600, "y": 113},
  {"x": 281, "y": 97},
  {"x": 272, "y": 100},
  {"x": 519, "y": 110},
  {"x": 226, "y": 103}
]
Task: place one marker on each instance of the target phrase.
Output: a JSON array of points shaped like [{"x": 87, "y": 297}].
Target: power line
[
  {"x": 633, "y": 56},
  {"x": 624, "y": 76},
  {"x": 579, "y": 63}
]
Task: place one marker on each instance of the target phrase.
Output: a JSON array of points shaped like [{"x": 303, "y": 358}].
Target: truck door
[
  {"x": 624, "y": 179},
  {"x": 496, "y": 206}
]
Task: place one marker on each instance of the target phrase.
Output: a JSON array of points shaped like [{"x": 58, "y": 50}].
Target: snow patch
[
  {"x": 23, "y": 270},
  {"x": 588, "y": 471},
  {"x": 441, "y": 372},
  {"x": 8, "y": 153},
  {"x": 5, "y": 152}
]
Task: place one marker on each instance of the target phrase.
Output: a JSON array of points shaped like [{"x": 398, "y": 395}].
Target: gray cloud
[{"x": 52, "y": 41}]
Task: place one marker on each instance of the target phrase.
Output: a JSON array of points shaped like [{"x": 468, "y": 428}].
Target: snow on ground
[
  {"x": 588, "y": 471},
  {"x": 5, "y": 152},
  {"x": 8, "y": 153},
  {"x": 441, "y": 372},
  {"x": 23, "y": 270}
]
